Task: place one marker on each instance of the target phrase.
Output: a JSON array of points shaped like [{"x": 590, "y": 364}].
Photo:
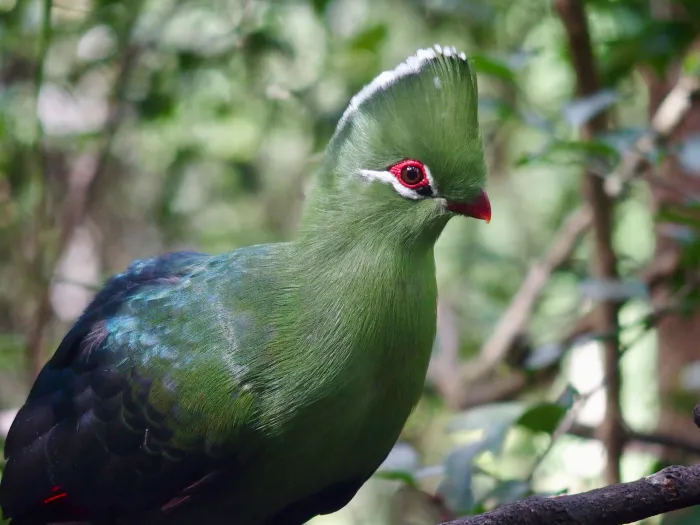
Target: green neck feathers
[{"x": 406, "y": 154}]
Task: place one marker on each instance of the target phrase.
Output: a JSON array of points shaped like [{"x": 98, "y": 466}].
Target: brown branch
[
  {"x": 633, "y": 438},
  {"x": 673, "y": 488},
  {"x": 604, "y": 262},
  {"x": 493, "y": 390}
]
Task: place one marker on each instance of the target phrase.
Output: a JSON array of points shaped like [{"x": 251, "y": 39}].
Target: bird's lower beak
[{"x": 479, "y": 208}]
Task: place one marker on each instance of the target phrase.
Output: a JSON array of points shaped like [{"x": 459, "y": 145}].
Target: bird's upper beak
[{"x": 479, "y": 208}]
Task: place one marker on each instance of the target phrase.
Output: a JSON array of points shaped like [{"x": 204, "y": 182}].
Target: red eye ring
[{"x": 411, "y": 174}]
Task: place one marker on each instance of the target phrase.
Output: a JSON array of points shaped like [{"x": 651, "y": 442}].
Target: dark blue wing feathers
[{"x": 87, "y": 441}]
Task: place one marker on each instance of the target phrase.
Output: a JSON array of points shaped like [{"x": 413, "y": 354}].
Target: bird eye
[
  {"x": 412, "y": 175},
  {"x": 413, "y": 179}
]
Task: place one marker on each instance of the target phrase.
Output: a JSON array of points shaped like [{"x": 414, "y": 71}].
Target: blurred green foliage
[{"x": 197, "y": 124}]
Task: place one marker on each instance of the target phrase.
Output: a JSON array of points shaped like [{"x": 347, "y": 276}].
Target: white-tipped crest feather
[{"x": 411, "y": 66}]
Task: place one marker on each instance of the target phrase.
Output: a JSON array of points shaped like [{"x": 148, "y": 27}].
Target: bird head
[{"x": 407, "y": 150}]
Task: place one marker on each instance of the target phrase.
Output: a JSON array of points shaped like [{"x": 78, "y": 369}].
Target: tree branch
[
  {"x": 604, "y": 268},
  {"x": 665, "y": 121},
  {"x": 633, "y": 437},
  {"x": 672, "y": 488}
]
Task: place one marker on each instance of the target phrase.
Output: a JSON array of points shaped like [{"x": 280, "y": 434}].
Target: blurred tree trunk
[{"x": 678, "y": 335}]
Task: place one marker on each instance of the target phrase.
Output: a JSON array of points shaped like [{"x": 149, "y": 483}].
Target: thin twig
[
  {"x": 493, "y": 390},
  {"x": 633, "y": 437},
  {"x": 665, "y": 121}
]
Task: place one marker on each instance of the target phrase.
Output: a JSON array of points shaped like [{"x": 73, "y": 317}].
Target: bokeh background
[{"x": 132, "y": 128}]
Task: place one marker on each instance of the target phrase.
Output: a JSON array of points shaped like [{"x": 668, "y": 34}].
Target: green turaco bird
[{"x": 266, "y": 385}]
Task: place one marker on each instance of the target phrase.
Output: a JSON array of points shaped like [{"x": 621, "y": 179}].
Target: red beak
[{"x": 479, "y": 208}]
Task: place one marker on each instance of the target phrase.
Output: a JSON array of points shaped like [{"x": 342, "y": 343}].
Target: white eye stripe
[{"x": 386, "y": 177}]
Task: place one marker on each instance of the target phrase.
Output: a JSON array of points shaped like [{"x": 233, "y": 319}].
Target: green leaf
[
  {"x": 397, "y": 475},
  {"x": 189, "y": 61},
  {"x": 572, "y": 152},
  {"x": 692, "y": 10},
  {"x": 691, "y": 64},
  {"x": 656, "y": 43},
  {"x": 543, "y": 417},
  {"x": 156, "y": 105},
  {"x": 685, "y": 215},
  {"x": 370, "y": 39},
  {"x": 265, "y": 41},
  {"x": 493, "y": 67},
  {"x": 320, "y": 6}
]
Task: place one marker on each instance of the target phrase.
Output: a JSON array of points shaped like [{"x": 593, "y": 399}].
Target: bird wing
[{"x": 96, "y": 436}]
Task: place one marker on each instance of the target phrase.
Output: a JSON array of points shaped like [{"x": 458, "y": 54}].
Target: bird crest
[{"x": 425, "y": 110}]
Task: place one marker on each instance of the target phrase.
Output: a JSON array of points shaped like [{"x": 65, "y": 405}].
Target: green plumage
[{"x": 266, "y": 385}]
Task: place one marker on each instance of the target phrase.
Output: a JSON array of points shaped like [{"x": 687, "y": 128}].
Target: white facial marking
[
  {"x": 386, "y": 177},
  {"x": 429, "y": 176}
]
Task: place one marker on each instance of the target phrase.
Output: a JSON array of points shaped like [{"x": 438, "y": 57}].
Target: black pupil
[{"x": 412, "y": 175}]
